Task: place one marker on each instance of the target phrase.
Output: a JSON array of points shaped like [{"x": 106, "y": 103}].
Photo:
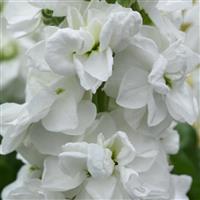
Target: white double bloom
[
  {"x": 59, "y": 104},
  {"x": 87, "y": 47},
  {"x": 155, "y": 76}
]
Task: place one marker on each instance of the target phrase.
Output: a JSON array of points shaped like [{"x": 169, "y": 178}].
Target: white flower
[
  {"x": 24, "y": 20},
  {"x": 190, "y": 25},
  {"x": 89, "y": 50},
  {"x": 158, "y": 81},
  {"x": 59, "y": 7},
  {"x": 88, "y": 165},
  {"x": 60, "y": 107},
  {"x": 13, "y": 68},
  {"x": 28, "y": 186},
  {"x": 181, "y": 185},
  {"x": 159, "y": 11}
]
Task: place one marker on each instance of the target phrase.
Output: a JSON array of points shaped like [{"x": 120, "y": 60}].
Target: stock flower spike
[{"x": 104, "y": 90}]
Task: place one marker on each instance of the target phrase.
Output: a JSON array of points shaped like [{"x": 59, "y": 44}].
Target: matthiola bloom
[
  {"x": 157, "y": 82},
  {"x": 28, "y": 186},
  {"x": 88, "y": 45},
  {"x": 91, "y": 163},
  {"x": 48, "y": 104},
  {"x": 24, "y": 20},
  {"x": 160, "y": 11},
  {"x": 103, "y": 96},
  {"x": 13, "y": 68}
]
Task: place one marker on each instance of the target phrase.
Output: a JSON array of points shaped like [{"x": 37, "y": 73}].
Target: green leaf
[
  {"x": 110, "y": 1},
  {"x": 49, "y": 19},
  {"x": 187, "y": 161},
  {"x": 126, "y": 3},
  {"x": 146, "y": 19}
]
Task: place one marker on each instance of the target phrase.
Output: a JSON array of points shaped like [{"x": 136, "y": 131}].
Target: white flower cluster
[{"x": 103, "y": 94}]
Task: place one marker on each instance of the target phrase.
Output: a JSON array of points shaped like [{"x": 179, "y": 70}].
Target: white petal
[
  {"x": 74, "y": 18},
  {"x": 60, "y": 48},
  {"x": 99, "y": 161},
  {"x": 46, "y": 142},
  {"x": 54, "y": 179},
  {"x": 134, "y": 117},
  {"x": 101, "y": 188},
  {"x": 39, "y": 105},
  {"x": 157, "y": 110},
  {"x": 86, "y": 116},
  {"x": 122, "y": 149},
  {"x": 156, "y": 77},
  {"x": 73, "y": 160},
  {"x": 18, "y": 24},
  {"x": 119, "y": 29},
  {"x": 134, "y": 89},
  {"x": 105, "y": 124},
  {"x": 63, "y": 115},
  {"x": 172, "y": 6},
  {"x": 36, "y": 57},
  {"x": 86, "y": 80},
  {"x": 170, "y": 141},
  {"x": 132, "y": 183},
  {"x": 182, "y": 185},
  {"x": 99, "y": 64},
  {"x": 182, "y": 105}
]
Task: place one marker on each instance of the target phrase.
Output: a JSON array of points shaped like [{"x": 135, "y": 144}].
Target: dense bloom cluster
[{"x": 105, "y": 85}]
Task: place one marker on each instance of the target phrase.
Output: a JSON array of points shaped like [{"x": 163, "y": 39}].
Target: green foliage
[
  {"x": 146, "y": 19},
  {"x": 135, "y": 6},
  {"x": 125, "y": 3},
  {"x": 111, "y": 1},
  {"x": 101, "y": 100},
  {"x": 1, "y": 5},
  {"x": 9, "y": 51},
  {"x": 9, "y": 167},
  {"x": 187, "y": 161},
  {"x": 49, "y": 19}
]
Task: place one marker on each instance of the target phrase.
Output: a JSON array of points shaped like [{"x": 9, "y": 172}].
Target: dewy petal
[
  {"x": 63, "y": 115},
  {"x": 54, "y": 179},
  {"x": 157, "y": 110},
  {"x": 99, "y": 64},
  {"x": 134, "y": 89},
  {"x": 61, "y": 46},
  {"x": 182, "y": 105},
  {"x": 101, "y": 188},
  {"x": 119, "y": 29}
]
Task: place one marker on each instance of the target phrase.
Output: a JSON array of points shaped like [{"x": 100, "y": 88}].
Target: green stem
[{"x": 101, "y": 100}]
